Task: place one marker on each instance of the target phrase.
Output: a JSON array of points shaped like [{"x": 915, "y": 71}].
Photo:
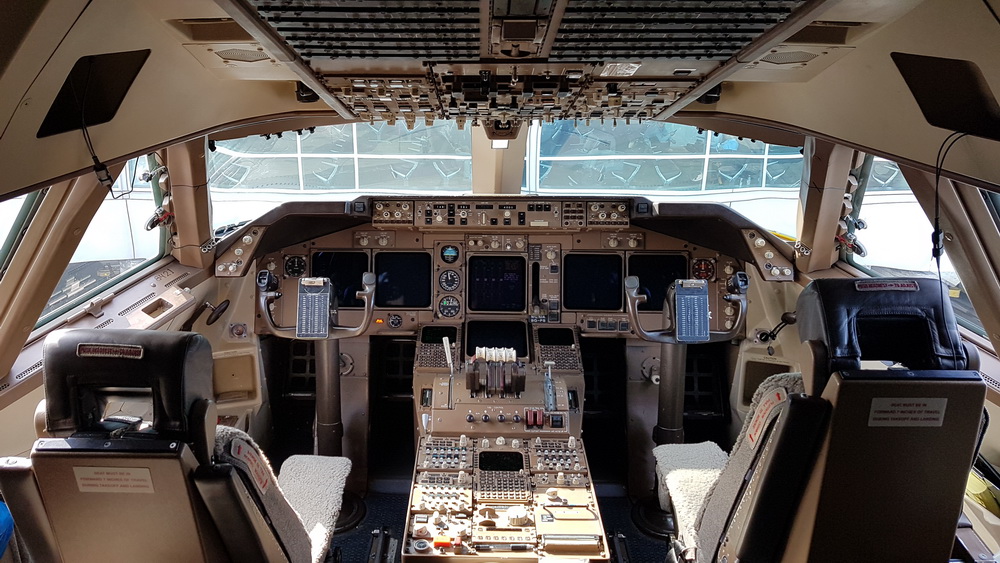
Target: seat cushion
[
  {"x": 685, "y": 473},
  {"x": 314, "y": 487}
]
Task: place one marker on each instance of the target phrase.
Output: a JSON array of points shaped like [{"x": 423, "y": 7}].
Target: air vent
[
  {"x": 31, "y": 369},
  {"x": 105, "y": 324},
  {"x": 991, "y": 381},
  {"x": 242, "y": 55},
  {"x": 177, "y": 280},
  {"x": 135, "y": 305},
  {"x": 789, "y": 57}
]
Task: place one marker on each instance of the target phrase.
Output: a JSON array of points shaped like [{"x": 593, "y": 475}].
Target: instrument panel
[{"x": 548, "y": 262}]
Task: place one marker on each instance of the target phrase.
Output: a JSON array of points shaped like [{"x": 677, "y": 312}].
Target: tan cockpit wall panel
[
  {"x": 863, "y": 100},
  {"x": 173, "y": 97}
]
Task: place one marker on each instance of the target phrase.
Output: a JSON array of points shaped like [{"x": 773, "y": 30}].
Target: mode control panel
[{"x": 500, "y": 214}]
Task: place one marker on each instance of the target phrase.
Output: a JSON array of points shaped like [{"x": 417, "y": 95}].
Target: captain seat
[
  {"x": 841, "y": 484},
  {"x": 110, "y": 486}
]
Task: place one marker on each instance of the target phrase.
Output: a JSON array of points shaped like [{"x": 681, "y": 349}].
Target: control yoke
[
  {"x": 669, "y": 333},
  {"x": 267, "y": 283}
]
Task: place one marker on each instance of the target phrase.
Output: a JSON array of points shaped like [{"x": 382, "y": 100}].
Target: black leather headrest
[
  {"x": 904, "y": 320},
  {"x": 83, "y": 365}
]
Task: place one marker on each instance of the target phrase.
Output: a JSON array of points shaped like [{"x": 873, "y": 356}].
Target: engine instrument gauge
[
  {"x": 449, "y": 280},
  {"x": 449, "y": 254},
  {"x": 295, "y": 266},
  {"x": 449, "y": 306},
  {"x": 703, "y": 269}
]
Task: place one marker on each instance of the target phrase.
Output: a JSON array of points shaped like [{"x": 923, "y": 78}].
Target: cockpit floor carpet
[
  {"x": 616, "y": 512},
  {"x": 384, "y": 509}
]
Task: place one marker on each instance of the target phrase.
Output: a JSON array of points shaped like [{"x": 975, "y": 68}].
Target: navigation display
[
  {"x": 497, "y": 283},
  {"x": 592, "y": 282},
  {"x": 345, "y": 270},
  {"x": 656, "y": 272},
  {"x": 404, "y": 279}
]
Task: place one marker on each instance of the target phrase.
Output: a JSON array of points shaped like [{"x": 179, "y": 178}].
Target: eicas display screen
[
  {"x": 434, "y": 334},
  {"x": 403, "y": 279},
  {"x": 497, "y": 334},
  {"x": 345, "y": 271},
  {"x": 656, "y": 272},
  {"x": 497, "y": 283},
  {"x": 592, "y": 282}
]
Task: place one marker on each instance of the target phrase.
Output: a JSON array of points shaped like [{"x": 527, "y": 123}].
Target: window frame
[{"x": 153, "y": 165}]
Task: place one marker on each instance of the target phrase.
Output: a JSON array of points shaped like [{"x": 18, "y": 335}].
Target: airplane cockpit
[{"x": 532, "y": 282}]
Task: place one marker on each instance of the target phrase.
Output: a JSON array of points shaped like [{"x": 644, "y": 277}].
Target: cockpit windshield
[{"x": 662, "y": 161}]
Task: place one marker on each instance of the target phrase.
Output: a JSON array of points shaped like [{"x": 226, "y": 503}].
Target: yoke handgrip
[
  {"x": 667, "y": 334},
  {"x": 268, "y": 294}
]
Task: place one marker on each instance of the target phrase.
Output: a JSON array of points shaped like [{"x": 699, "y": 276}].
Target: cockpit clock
[
  {"x": 703, "y": 269},
  {"x": 295, "y": 266}
]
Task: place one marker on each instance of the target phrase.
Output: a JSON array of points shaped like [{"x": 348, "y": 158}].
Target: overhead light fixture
[{"x": 500, "y": 143}]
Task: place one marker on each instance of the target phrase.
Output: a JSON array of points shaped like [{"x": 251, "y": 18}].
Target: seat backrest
[
  {"x": 889, "y": 479},
  {"x": 750, "y": 509},
  {"x": 102, "y": 474},
  {"x": 904, "y": 320},
  {"x": 111, "y": 486}
]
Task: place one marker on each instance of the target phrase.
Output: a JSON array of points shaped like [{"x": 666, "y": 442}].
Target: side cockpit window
[{"x": 116, "y": 244}]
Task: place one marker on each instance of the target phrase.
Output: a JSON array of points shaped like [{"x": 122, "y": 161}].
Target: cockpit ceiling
[{"x": 506, "y": 61}]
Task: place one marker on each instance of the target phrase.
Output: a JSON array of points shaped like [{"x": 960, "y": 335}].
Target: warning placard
[
  {"x": 907, "y": 411},
  {"x": 766, "y": 404},
  {"x": 113, "y": 479}
]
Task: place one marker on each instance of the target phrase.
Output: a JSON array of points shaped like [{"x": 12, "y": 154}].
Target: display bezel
[
  {"x": 418, "y": 276},
  {"x": 655, "y": 298},
  {"x": 476, "y": 301},
  {"x": 320, "y": 266},
  {"x": 574, "y": 268}
]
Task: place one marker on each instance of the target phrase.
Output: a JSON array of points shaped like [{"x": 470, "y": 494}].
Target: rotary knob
[
  {"x": 518, "y": 516},
  {"x": 613, "y": 242},
  {"x": 501, "y": 440},
  {"x": 501, "y": 418},
  {"x": 470, "y": 418},
  {"x": 495, "y": 244}
]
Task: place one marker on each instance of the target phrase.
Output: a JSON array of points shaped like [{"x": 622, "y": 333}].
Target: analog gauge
[
  {"x": 449, "y": 254},
  {"x": 295, "y": 266},
  {"x": 449, "y": 280},
  {"x": 703, "y": 269},
  {"x": 449, "y": 306}
]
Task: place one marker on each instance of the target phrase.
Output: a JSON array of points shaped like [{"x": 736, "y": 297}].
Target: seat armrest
[{"x": 314, "y": 487}]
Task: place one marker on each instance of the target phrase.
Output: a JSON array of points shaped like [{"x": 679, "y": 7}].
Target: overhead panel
[{"x": 501, "y": 62}]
